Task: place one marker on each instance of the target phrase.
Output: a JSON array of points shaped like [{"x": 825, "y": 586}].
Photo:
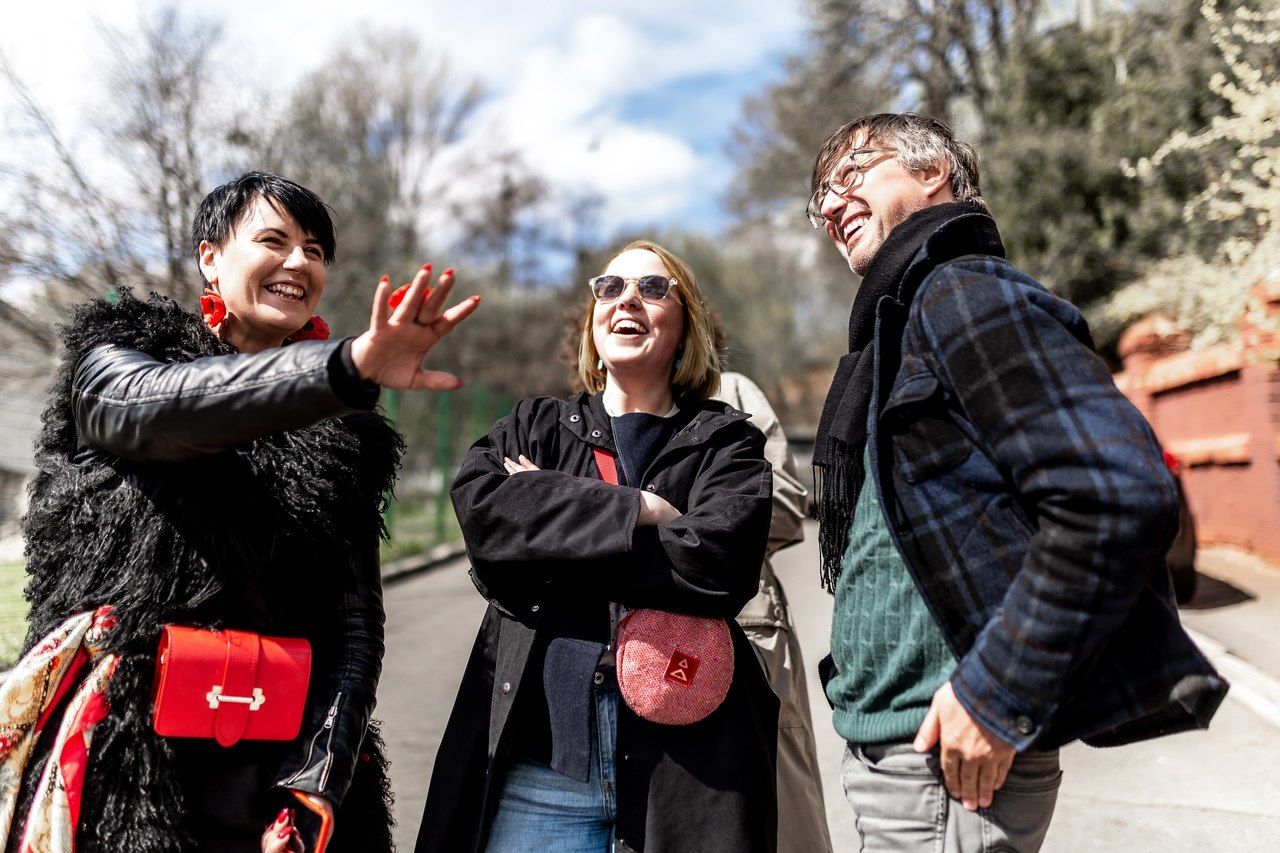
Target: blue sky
[
  {"x": 702, "y": 110},
  {"x": 635, "y": 100}
]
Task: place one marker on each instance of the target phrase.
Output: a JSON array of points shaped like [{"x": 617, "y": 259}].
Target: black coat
[
  {"x": 562, "y": 534},
  {"x": 181, "y": 482}
]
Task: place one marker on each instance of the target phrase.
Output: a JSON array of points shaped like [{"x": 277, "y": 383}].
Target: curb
[
  {"x": 407, "y": 567},
  {"x": 1250, "y": 686},
  {"x": 402, "y": 569}
]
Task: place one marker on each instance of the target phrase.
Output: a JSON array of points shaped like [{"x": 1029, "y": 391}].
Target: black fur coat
[{"x": 255, "y": 537}]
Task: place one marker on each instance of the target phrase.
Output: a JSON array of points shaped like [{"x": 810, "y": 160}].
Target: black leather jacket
[{"x": 129, "y": 404}]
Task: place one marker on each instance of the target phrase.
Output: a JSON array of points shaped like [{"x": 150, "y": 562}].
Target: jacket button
[
  {"x": 506, "y": 687},
  {"x": 1024, "y": 725},
  {"x": 535, "y": 608},
  {"x": 598, "y": 678},
  {"x": 573, "y": 419},
  {"x": 652, "y": 487},
  {"x": 595, "y": 433}
]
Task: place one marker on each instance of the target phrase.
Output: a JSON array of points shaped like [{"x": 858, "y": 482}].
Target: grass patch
[
  {"x": 13, "y": 611},
  {"x": 418, "y": 523}
]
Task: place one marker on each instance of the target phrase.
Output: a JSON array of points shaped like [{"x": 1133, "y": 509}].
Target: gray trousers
[{"x": 900, "y": 803}]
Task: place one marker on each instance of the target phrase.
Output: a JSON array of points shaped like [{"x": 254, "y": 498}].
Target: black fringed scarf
[{"x": 913, "y": 246}]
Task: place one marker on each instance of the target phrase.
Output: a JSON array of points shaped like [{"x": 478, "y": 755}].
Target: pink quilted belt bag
[{"x": 673, "y": 669}]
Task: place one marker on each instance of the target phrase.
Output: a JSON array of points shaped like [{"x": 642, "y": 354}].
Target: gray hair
[{"x": 922, "y": 141}]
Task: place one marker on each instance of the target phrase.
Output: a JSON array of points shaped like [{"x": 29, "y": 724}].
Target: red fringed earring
[
  {"x": 316, "y": 329},
  {"x": 212, "y": 308}
]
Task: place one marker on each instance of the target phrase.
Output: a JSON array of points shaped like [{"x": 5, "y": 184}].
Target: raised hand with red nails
[{"x": 403, "y": 330}]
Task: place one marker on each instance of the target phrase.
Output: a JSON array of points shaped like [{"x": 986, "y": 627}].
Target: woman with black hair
[{"x": 224, "y": 471}]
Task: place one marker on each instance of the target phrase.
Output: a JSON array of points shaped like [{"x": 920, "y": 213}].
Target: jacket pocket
[{"x": 926, "y": 440}]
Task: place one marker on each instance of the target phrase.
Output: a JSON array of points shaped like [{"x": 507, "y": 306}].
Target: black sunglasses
[{"x": 652, "y": 288}]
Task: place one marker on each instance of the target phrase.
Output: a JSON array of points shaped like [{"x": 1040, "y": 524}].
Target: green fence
[{"x": 438, "y": 429}]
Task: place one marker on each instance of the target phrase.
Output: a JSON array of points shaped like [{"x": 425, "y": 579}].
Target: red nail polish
[
  {"x": 426, "y": 266},
  {"x": 385, "y": 278},
  {"x": 284, "y": 813},
  {"x": 284, "y": 833},
  {"x": 449, "y": 271}
]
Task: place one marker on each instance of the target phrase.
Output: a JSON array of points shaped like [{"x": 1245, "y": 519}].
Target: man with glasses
[{"x": 994, "y": 516}]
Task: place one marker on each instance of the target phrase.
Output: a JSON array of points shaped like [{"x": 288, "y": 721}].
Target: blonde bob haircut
[{"x": 698, "y": 374}]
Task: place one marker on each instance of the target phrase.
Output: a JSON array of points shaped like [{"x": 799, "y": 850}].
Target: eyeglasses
[
  {"x": 849, "y": 176},
  {"x": 652, "y": 288}
]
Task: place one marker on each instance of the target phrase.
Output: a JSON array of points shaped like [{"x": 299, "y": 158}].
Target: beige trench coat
[{"x": 802, "y": 816}]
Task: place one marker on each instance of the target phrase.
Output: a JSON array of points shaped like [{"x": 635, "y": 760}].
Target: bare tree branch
[{"x": 85, "y": 199}]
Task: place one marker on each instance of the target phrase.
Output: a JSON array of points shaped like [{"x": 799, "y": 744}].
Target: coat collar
[
  {"x": 966, "y": 234},
  {"x": 583, "y": 415}
]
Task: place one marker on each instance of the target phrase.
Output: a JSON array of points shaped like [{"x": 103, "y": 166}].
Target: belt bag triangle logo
[{"x": 682, "y": 668}]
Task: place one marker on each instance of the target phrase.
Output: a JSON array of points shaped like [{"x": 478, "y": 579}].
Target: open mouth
[
  {"x": 854, "y": 227},
  {"x": 287, "y": 291},
  {"x": 628, "y": 326}
]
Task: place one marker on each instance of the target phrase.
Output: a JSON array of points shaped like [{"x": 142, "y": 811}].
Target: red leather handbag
[
  {"x": 673, "y": 668},
  {"x": 229, "y": 685}
]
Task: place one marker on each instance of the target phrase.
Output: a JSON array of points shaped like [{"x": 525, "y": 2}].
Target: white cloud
[
  {"x": 564, "y": 109},
  {"x": 559, "y": 71},
  {"x": 561, "y": 114}
]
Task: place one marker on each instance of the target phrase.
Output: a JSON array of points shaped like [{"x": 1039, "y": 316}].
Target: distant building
[{"x": 26, "y": 370}]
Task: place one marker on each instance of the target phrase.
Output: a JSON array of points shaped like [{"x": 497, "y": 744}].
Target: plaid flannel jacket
[{"x": 1031, "y": 504}]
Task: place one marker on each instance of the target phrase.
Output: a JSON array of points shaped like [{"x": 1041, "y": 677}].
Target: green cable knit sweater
[{"x": 889, "y": 653}]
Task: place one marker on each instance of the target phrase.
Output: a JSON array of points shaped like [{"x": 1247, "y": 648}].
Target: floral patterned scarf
[{"x": 68, "y": 661}]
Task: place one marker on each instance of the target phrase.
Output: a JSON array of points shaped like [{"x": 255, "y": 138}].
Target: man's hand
[
  {"x": 391, "y": 352},
  {"x": 975, "y": 762}
]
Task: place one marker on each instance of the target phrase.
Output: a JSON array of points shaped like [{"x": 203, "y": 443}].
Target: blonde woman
[{"x": 539, "y": 753}]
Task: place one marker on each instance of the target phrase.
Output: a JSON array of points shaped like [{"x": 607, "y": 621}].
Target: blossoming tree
[{"x": 1242, "y": 201}]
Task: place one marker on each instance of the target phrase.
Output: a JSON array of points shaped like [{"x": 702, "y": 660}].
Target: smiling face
[
  {"x": 269, "y": 273},
  {"x": 882, "y": 195},
  {"x": 635, "y": 337}
]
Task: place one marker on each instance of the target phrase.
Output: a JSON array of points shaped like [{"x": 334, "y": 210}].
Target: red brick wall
[{"x": 1218, "y": 411}]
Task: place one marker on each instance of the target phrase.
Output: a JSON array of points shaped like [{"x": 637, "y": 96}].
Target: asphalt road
[{"x": 1204, "y": 791}]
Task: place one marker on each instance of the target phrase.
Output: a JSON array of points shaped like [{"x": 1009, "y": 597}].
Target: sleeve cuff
[
  {"x": 346, "y": 382},
  {"x": 1002, "y": 713}
]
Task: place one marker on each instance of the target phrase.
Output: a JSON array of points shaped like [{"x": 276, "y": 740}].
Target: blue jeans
[{"x": 541, "y": 809}]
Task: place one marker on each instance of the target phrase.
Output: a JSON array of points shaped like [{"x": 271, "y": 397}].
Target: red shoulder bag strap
[
  {"x": 609, "y": 473},
  {"x": 607, "y": 464}
]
